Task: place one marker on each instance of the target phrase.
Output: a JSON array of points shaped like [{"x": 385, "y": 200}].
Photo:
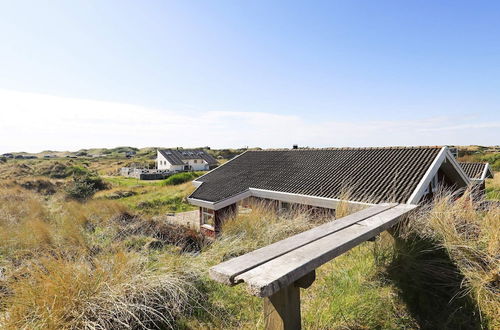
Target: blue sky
[{"x": 77, "y": 74}]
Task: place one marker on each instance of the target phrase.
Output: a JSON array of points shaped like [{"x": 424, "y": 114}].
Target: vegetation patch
[
  {"x": 83, "y": 187},
  {"x": 493, "y": 188},
  {"x": 174, "y": 203},
  {"x": 481, "y": 157},
  {"x": 181, "y": 178},
  {"x": 55, "y": 170},
  {"x": 42, "y": 186},
  {"x": 105, "y": 263},
  {"x": 117, "y": 194},
  {"x": 461, "y": 241},
  {"x": 120, "y": 181}
]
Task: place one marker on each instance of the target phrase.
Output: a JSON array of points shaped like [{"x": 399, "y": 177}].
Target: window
[
  {"x": 195, "y": 161},
  {"x": 207, "y": 218}
]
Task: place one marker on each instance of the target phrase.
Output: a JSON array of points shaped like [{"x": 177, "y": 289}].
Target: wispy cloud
[
  {"x": 34, "y": 122},
  {"x": 471, "y": 126}
]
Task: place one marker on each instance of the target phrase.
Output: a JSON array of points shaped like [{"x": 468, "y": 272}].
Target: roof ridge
[{"x": 349, "y": 148}]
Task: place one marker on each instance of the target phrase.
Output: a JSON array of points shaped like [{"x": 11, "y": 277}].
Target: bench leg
[{"x": 282, "y": 309}]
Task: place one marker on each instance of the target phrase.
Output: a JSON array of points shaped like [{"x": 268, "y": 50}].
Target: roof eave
[
  {"x": 442, "y": 156},
  {"x": 196, "y": 183},
  {"x": 487, "y": 169},
  {"x": 219, "y": 205},
  {"x": 316, "y": 201}
]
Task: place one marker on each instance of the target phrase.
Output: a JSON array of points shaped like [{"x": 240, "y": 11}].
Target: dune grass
[
  {"x": 437, "y": 270},
  {"x": 493, "y": 187},
  {"x": 107, "y": 264},
  {"x": 463, "y": 239},
  {"x": 67, "y": 265}
]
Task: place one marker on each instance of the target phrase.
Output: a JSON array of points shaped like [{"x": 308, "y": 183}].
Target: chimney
[
  {"x": 295, "y": 146},
  {"x": 454, "y": 151}
]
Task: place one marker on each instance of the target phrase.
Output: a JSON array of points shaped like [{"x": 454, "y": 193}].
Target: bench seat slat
[
  {"x": 227, "y": 271},
  {"x": 268, "y": 278}
]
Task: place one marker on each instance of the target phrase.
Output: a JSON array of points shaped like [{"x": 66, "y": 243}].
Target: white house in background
[{"x": 185, "y": 160}]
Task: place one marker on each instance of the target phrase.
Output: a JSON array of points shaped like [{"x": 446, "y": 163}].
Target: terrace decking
[{"x": 277, "y": 271}]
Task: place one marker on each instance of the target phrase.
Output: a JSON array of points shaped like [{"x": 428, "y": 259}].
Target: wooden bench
[{"x": 277, "y": 271}]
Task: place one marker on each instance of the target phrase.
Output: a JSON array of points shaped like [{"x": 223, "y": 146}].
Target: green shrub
[
  {"x": 84, "y": 187},
  {"x": 494, "y": 160},
  {"x": 180, "y": 178}
]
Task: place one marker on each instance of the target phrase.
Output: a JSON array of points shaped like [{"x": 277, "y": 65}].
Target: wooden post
[{"x": 282, "y": 309}]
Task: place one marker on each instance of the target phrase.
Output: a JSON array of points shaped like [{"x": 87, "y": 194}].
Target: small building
[
  {"x": 321, "y": 178},
  {"x": 478, "y": 173},
  {"x": 185, "y": 160}
]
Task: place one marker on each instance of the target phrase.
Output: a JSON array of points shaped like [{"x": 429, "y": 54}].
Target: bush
[
  {"x": 84, "y": 187},
  {"x": 180, "y": 178}
]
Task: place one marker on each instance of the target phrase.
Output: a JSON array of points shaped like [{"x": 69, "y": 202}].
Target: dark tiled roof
[
  {"x": 473, "y": 170},
  {"x": 369, "y": 174},
  {"x": 176, "y": 157}
]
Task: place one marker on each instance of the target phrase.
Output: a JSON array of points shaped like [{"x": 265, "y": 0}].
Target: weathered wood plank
[
  {"x": 268, "y": 278},
  {"x": 227, "y": 271},
  {"x": 282, "y": 309}
]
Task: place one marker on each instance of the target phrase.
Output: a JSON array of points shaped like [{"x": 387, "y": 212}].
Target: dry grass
[
  {"x": 66, "y": 265},
  {"x": 261, "y": 227},
  {"x": 449, "y": 281},
  {"x": 115, "y": 291},
  {"x": 470, "y": 235},
  {"x": 346, "y": 294}
]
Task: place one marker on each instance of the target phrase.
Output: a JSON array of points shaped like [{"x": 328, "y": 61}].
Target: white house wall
[
  {"x": 195, "y": 164},
  {"x": 162, "y": 163},
  {"x": 200, "y": 164}
]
